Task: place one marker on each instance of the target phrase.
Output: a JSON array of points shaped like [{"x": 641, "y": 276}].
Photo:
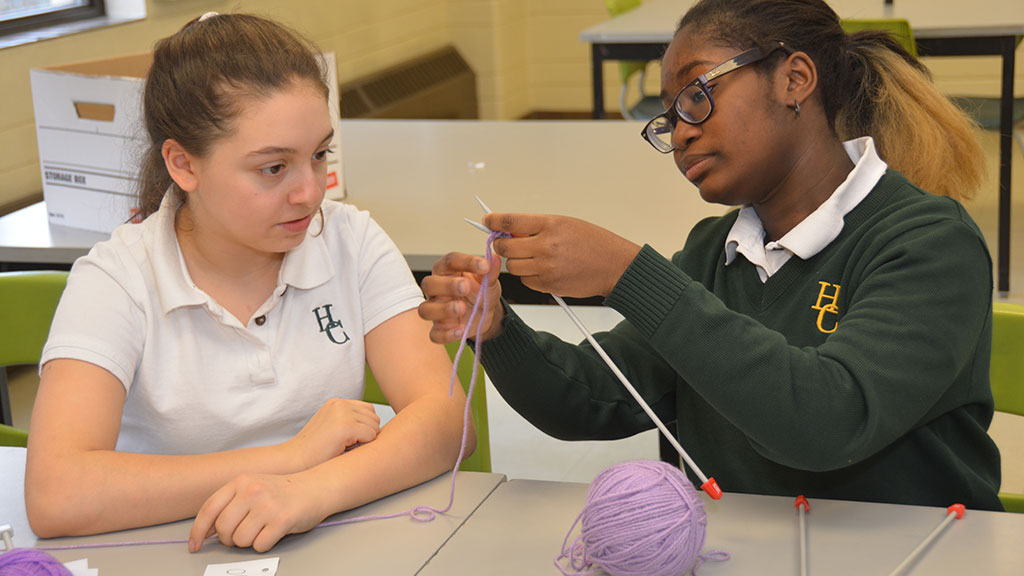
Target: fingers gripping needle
[{"x": 708, "y": 484}]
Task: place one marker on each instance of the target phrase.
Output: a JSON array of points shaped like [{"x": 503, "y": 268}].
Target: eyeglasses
[{"x": 694, "y": 104}]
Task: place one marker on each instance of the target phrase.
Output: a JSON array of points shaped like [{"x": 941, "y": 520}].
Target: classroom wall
[
  {"x": 526, "y": 53},
  {"x": 365, "y": 35}
]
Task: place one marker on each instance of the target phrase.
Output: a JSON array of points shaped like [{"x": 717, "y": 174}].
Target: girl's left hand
[
  {"x": 256, "y": 510},
  {"x": 562, "y": 255}
]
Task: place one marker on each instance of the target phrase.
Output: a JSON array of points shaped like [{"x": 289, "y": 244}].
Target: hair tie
[{"x": 208, "y": 15}]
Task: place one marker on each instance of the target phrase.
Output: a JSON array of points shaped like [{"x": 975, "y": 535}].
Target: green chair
[
  {"x": 648, "y": 106},
  {"x": 1007, "y": 373},
  {"x": 480, "y": 460},
  {"x": 899, "y": 29},
  {"x": 11, "y": 436},
  {"x": 27, "y": 303}
]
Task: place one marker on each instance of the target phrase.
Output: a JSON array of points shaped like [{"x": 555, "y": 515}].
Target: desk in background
[
  {"x": 519, "y": 530},
  {"x": 396, "y": 546},
  {"x": 941, "y": 28},
  {"x": 28, "y": 240},
  {"x": 418, "y": 179}
]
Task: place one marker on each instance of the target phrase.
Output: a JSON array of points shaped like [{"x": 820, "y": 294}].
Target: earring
[{"x": 796, "y": 108}]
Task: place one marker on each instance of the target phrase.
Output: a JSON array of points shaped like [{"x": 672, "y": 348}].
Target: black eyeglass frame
[{"x": 674, "y": 111}]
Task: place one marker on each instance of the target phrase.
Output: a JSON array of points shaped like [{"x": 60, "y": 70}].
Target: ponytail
[{"x": 917, "y": 130}]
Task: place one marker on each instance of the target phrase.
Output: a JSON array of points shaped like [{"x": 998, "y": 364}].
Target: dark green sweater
[{"x": 859, "y": 374}]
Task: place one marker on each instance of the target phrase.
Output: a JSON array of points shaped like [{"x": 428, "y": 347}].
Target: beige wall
[
  {"x": 526, "y": 54},
  {"x": 366, "y": 35}
]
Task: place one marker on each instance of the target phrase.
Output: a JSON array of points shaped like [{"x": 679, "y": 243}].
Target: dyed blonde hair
[{"x": 917, "y": 130}]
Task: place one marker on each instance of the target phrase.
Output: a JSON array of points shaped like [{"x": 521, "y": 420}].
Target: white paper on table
[
  {"x": 81, "y": 568},
  {"x": 261, "y": 567}
]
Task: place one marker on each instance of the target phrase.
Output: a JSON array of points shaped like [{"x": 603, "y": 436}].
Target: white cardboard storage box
[{"x": 92, "y": 139}]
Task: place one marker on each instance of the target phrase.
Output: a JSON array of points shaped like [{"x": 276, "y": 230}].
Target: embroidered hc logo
[
  {"x": 831, "y": 307},
  {"x": 330, "y": 324}
]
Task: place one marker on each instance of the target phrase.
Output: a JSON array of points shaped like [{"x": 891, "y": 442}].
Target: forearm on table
[
  {"x": 95, "y": 491},
  {"x": 419, "y": 443}
]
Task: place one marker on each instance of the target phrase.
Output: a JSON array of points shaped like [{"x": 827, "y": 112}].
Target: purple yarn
[
  {"x": 641, "y": 518},
  {"x": 29, "y": 562}
]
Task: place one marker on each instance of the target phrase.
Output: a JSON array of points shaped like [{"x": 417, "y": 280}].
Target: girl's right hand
[
  {"x": 451, "y": 290},
  {"x": 337, "y": 426}
]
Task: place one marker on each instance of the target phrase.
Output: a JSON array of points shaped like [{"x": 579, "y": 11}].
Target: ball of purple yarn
[
  {"x": 642, "y": 518},
  {"x": 29, "y": 562}
]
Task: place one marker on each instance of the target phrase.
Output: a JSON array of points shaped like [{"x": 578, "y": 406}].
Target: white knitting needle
[
  {"x": 802, "y": 505},
  {"x": 484, "y": 206},
  {"x": 478, "y": 226},
  {"x": 709, "y": 485},
  {"x": 6, "y": 532},
  {"x": 954, "y": 512}
]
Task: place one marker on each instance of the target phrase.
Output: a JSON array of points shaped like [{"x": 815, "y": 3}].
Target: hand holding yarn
[
  {"x": 641, "y": 518},
  {"x": 451, "y": 292},
  {"x": 562, "y": 255}
]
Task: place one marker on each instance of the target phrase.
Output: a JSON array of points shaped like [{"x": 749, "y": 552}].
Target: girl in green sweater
[{"x": 831, "y": 337}]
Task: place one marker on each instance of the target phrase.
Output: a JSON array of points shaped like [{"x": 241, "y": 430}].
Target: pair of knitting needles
[
  {"x": 954, "y": 512},
  {"x": 709, "y": 486}
]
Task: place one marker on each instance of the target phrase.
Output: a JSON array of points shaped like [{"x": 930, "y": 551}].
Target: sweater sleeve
[
  {"x": 567, "y": 391},
  {"x": 918, "y": 306}
]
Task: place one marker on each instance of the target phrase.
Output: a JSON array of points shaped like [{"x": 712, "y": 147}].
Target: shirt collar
[
  {"x": 306, "y": 266},
  {"x": 822, "y": 226}
]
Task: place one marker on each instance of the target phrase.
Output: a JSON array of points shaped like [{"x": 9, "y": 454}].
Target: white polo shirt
[
  {"x": 818, "y": 229},
  {"x": 196, "y": 379}
]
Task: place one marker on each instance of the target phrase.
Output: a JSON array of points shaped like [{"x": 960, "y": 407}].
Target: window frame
[{"x": 95, "y": 9}]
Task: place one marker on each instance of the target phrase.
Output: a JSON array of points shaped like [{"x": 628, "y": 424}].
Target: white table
[
  {"x": 398, "y": 546},
  {"x": 418, "y": 179},
  {"x": 519, "y": 530},
  {"x": 941, "y": 28},
  {"x": 26, "y": 237}
]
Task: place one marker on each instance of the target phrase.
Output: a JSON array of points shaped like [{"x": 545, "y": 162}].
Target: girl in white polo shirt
[{"x": 207, "y": 362}]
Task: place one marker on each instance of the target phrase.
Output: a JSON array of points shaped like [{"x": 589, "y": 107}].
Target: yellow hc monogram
[{"x": 831, "y": 307}]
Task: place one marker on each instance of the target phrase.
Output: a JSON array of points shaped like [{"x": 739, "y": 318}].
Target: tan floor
[{"x": 521, "y": 452}]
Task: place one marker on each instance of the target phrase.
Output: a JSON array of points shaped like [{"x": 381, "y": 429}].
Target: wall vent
[{"x": 437, "y": 85}]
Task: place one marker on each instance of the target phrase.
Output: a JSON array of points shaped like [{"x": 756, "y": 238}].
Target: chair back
[
  {"x": 897, "y": 28},
  {"x": 626, "y": 67},
  {"x": 1006, "y": 373},
  {"x": 27, "y": 303},
  {"x": 11, "y": 436},
  {"x": 480, "y": 460}
]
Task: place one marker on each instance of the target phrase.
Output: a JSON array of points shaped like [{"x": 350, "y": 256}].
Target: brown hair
[
  {"x": 200, "y": 80},
  {"x": 869, "y": 86}
]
